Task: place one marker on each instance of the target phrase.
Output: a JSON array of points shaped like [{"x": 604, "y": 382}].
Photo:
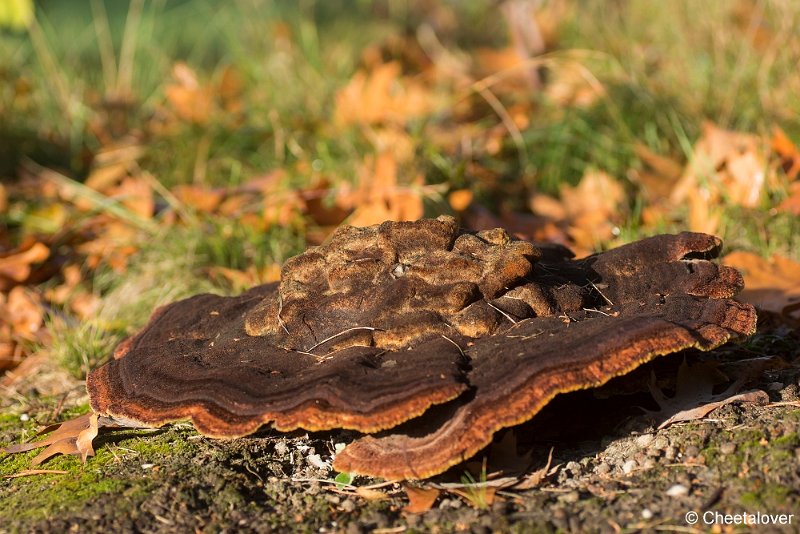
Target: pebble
[
  {"x": 644, "y": 440},
  {"x": 670, "y": 453},
  {"x": 573, "y": 467},
  {"x": 571, "y": 497},
  {"x": 604, "y": 468},
  {"x": 24, "y": 417},
  {"x": 678, "y": 490},
  {"x": 691, "y": 451},
  {"x": 728, "y": 447},
  {"x": 348, "y": 505},
  {"x": 647, "y": 514},
  {"x": 629, "y": 466}
]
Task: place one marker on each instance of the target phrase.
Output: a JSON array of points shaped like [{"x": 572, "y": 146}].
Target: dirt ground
[{"x": 611, "y": 471}]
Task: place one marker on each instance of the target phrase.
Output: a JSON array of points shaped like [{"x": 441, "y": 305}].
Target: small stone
[
  {"x": 647, "y": 514},
  {"x": 604, "y": 468},
  {"x": 670, "y": 452},
  {"x": 570, "y": 497},
  {"x": 148, "y": 466},
  {"x": 24, "y": 417},
  {"x": 573, "y": 467},
  {"x": 644, "y": 440},
  {"x": 678, "y": 490},
  {"x": 691, "y": 451},
  {"x": 281, "y": 448},
  {"x": 649, "y": 463},
  {"x": 629, "y": 466},
  {"x": 348, "y": 505},
  {"x": 728, "y": 447}
]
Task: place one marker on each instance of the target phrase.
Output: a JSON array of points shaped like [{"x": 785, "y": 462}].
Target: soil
[{"x": 611, "y": 470}]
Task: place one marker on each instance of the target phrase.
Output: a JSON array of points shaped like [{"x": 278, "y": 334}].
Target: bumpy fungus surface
[{"x": 428, "y": 336}]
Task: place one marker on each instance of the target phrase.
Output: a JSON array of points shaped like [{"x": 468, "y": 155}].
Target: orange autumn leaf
[
  {"x": 725, "y": 166},
  {"x": 787, "y": 151},
  {"x": 190, "y": 101},
  {"x": 460, "y": 199},
  {"x": 16, "y": 265},
  {"x": 379, "y": 197},
  {"x": 420, "y": 500},
  {"x": 198, "y": 197},
  {"x": 771, "y": 285},
  {"x": 21, "y": 321},
  {"x": 135, "y": 194},
  {"x": 381, "y": 96},
  {"x": 592, "y": 208}
]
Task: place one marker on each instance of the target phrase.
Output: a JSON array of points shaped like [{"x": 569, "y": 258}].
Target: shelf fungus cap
[{"x": 429, "y": 337}]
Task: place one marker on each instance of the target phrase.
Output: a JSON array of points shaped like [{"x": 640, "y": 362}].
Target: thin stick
[
  {"x": 601, "y": 293},
  {"x": 501, "y": 312},
  {"x": 334, "y": 336}
]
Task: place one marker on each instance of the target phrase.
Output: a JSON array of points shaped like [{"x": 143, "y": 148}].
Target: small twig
[
  {"x": 32, "y": 472},
  {"x": 601, "y": 293},
  {"x": 280, "y": 309},
  {"x": 343, "y": 332},
  {"x": 501, "y": 312},
  {"x": 454, "y": 343}
]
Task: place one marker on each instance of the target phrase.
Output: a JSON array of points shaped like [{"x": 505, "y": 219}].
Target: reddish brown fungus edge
[
  {"x": 312, "y": 415},
  {"x": 524, "y": 403}
]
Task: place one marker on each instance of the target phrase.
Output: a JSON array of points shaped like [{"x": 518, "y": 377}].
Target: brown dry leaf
[
  {"x": 535, "y": 478},
  {"x": 379, "y": 197},
  {"x": 770, "y": 285},
  {"x": 111, "y": 164},
  {"x": 592, "y": 208},
  {"x": 190, "y": 101},
  {"x": 3, "y": 198},
  {"x": 420, "y": 500},
  {"x": 136, "y": 195},
  {"x": 694, "y": 394},
  {"x": 725, "y": 166},
  {"x": 16, "y": 265},
  {"x": 70, "y": 437},
  {"x": 570, "y": 84},
  {"x": 787, "y": 151},
  {"x": 230, "y": 89},
  {"x": 692, "y": 414},
  {"x": 381, "y": 96},
  {"x": 199, "y": 197},
  {"x": 23, "y": 311},
  {"x": 659, "y": 174}
]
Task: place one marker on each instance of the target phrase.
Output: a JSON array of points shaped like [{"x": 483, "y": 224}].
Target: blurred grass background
[{"x": 214, "y": 95}]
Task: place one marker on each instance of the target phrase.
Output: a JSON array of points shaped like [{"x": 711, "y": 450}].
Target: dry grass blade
[{"x": 35, "y": 472}]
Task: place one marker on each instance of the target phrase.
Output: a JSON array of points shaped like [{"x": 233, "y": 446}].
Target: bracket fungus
[{"x": 425, "y": 338}]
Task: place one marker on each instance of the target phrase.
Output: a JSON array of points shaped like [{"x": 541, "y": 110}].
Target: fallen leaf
[
  {"x": 694, "y": 394},
  {"x": 788, "y": 153},
  {"x": 593, "y": 208},
  {"x": 16, "y": 265},
  {"x": 189, "y": 100},
  {"x": 420, "y": 500},
  {"x": 379, "y": 197},
  {"x": 725, "y": 166},
  {"x": 755, "y": 397},
  {"x": 535, "y": 478},
  {"x": 70, "y": 437},
  {"x": 381, "y": 96},
  {"x": 770, "y": 285},
  {"x": 460, "y": 199}
]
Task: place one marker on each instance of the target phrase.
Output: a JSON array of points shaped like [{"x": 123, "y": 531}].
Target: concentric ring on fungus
[{"x": 382, "y": 323}]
